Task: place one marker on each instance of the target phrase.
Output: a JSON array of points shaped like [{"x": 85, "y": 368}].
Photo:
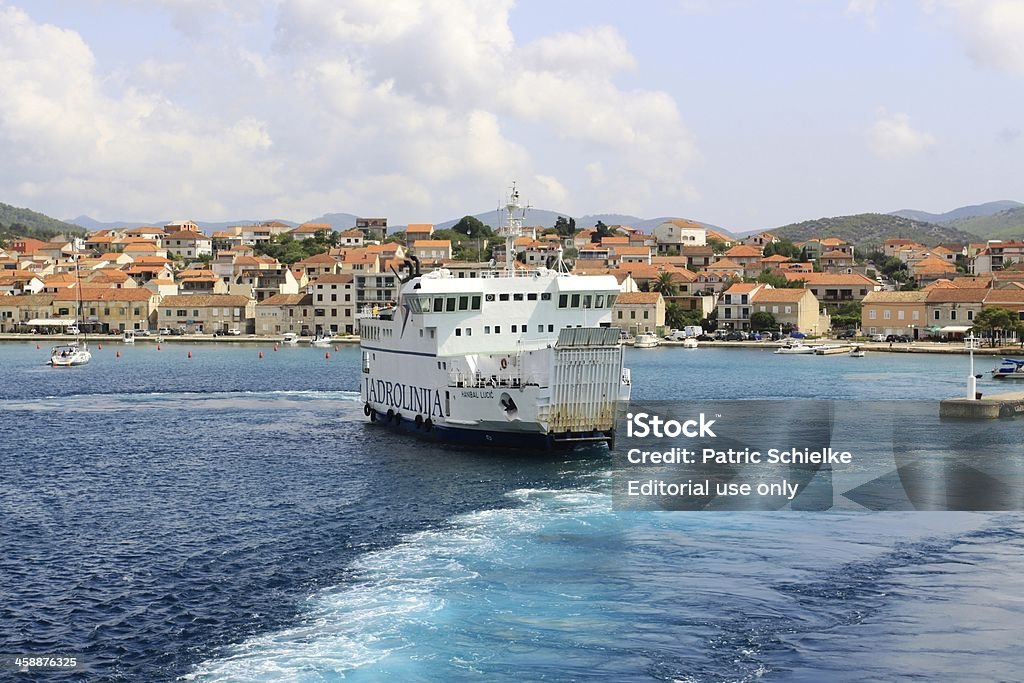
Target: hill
[
  {"x": 92, "y": 224},
  {"x": 975, "y": 210},
  {"x": 338, "y": 221},
  {"x": 29, "y": 223},
  {"x": 1006, "y": 224},
  {"x": 868, "y": 230}
]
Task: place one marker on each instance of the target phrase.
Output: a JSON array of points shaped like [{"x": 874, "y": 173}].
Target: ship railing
[{"x": 478, "y": 380}]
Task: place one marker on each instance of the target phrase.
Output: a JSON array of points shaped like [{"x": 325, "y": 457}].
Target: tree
[
  {"x": 762, "y": 320},
  {"x": 664, "y": 283},
  {"x": 846, "y": 316},
  {"x": 676, "y": 318},
  {"x": 600, "y": 232},
  {"x": 996, "y": 319},
  {"x": 472, "y": 227},
  {"x": 778, "y": 280},
  {"x": 717, "y": 245},
  {"x": 566, "y": 227},
  {"x": 783, "y": 247}
]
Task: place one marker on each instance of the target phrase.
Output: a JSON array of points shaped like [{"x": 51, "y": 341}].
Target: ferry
[{"x": 521, "y": 358}]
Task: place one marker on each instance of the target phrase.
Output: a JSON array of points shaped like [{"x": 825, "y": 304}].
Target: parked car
[
  {"x": 847, "y": 334},
  {"x": 676, "y": 335},
  {"x": 234, "y": 332},
  {"x": 73, "y": 329},
  {"x": 898, "y": 338},
  {"x": 878, "y": 337},
  {"x": 141, "y": 333},
  {"x": 735, "y": 335},
  {"x": 798, "y": 335},
  {"x": 705, "y": 337}
]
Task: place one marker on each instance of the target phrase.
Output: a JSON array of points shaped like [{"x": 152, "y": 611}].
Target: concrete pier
[{"x": 985, "y": 408}]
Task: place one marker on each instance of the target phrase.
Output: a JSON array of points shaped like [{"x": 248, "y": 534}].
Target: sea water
[{"x": 225, "y": 517}]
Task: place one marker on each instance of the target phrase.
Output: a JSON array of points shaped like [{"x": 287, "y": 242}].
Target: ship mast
[{"x": 512, "y": 228}]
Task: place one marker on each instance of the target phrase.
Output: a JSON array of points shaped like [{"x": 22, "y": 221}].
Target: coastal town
[{"x": 271, "y": 278}]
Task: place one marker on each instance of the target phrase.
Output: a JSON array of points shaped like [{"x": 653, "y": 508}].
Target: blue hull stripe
[
  {"x": 477, "y": 437},
  {"x": 404, "y": 353}
]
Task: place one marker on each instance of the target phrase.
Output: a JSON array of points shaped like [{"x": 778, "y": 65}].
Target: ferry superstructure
[{"x": 512, "y": 358}]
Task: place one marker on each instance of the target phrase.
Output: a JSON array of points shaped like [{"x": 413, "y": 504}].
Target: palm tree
[{"x": 664, "y": 283}]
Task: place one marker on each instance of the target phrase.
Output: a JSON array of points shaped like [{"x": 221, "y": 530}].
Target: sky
[{"x": 740, "y": 113}]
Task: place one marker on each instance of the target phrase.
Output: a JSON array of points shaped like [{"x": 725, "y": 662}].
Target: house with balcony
[
  {"x": 188, "y": 244},
  {"x": 674, "y": 234},
  {"x": 736, "y": 304},
  {"x": 105, "y": 309},
  {"x": 836, "y": 288},
  {"x": 282, "y": 313},
  {"x": 432, "y": 250},
  {"x": 950, "y": 311}
]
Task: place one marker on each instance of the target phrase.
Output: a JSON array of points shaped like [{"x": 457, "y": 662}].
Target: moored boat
[
  {"x": 857, "y": 352},
  {"x": 511, "y": 358},
  {"x": 795, "y": 347},
  {"x": 1010, "y": 368},
  {"x": 128, "y": 337},
  {"x": 289, "y": 339},
  {"x": 646, "y": 340},
  {"x": 690, "y": 343}
]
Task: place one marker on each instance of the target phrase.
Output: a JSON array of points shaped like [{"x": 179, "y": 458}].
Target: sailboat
[{"x": 77, "y": 352}]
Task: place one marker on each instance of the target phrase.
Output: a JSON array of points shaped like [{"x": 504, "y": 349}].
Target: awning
[
  {"x": 51, "y": 322},
  {"x": 955, "y": 329}
]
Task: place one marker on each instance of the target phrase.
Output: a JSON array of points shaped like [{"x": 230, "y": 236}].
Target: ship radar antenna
[{"x": 512, "y": 227}]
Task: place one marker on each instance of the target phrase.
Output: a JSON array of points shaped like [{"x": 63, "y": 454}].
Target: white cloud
[
  {"x": 993, "y": 31},
  {"x": 893, "y": 138},
  {"x": 868, "y": 8},
  {"x": 417, "y": 110}
]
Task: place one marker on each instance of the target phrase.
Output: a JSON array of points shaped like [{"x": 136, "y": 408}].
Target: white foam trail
[
  {"x": 394, "y": 589},
  {"x": 92, "y": 403}
]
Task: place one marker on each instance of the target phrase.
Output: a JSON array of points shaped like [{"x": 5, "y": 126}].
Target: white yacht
[
  {"x": 128, "y": 337},
  {"x": 76, "y": 352},
  {"x": 290, "y": 339},
  {"x": 690, "y": 343},
  {"x": 795, "y": 347},
  {"x": 322, "y": 341},
  {"x": 512, "y": 358},
  {"x": 646, "y": 340},
  {"x": 1010, "y": 368}
]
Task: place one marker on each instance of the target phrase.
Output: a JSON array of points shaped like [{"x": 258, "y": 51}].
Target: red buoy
[
  {"x": 37, "y": 346},
  {"x": 118, "y": 354},
  {"x": 99, "y": 346},
  {"x": 275, "y": 348},
  {"x": 335, "y": 348},
  {"x": 261, "y": 354},
  {"x": 157, "y": 347},
  {"x": 189, "y": 354},
  {"x": 327, "y": 355}
]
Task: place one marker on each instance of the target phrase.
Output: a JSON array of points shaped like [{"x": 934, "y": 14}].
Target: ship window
[
  {"x": 531, "y": 296},
  {"x": 513, "y": 328},
  {"x": 540, "y": 328},
  {"x": 563, "y": 300},
  {"x": 611, "y": 300},
  {"x": 497, "y": 329},
  {"x": 575, "y": 301},
  {"x": 545, "y": 296},
  {"x": 487, "y": 329},
  {"x": 431, "y": 332},
  {"x": 475, "y": 305},
  {"x": 503, "y": 297},
  {"x": 586, "y": 301},
  {"x": 599, "y": 301},
  {"x": 421, "y": 333},
  {"x": 551, "y": 328},
  {"x": 490, "y": 297},
  {"x": 463, "y": 303},
  {"x": 517, "y": 297},
  {"x": 438, "y": 304},
  {"x": 458, "y": 331},
  {"x": 450, "y": 304},
  {"x": 469, "y": 331}
]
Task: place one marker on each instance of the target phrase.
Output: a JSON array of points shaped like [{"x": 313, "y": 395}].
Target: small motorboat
[
  {"x": 290, "y": 339},
  {"x": 128, "y": 337},
  {"x": 1010, "y": 368},
  {"x": 646, "y": 340},
  {"x": 857, "y": 352},
  {"x": 690, "y": 343},
  {"x": 795, "y": 347},
  {"x": 322, "y": 341}
]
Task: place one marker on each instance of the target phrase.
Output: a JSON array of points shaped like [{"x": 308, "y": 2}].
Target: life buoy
[
  {"x": 367, "y": 409},
  {"x": 391, "y": 414},
  {"x": 419, "y": 421},
  {"x": 373, "y": 415},
  {"x": 504, "y": 363},
  {"x": 428, "y": 424},
  {"x": 398, "y": 418}
]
